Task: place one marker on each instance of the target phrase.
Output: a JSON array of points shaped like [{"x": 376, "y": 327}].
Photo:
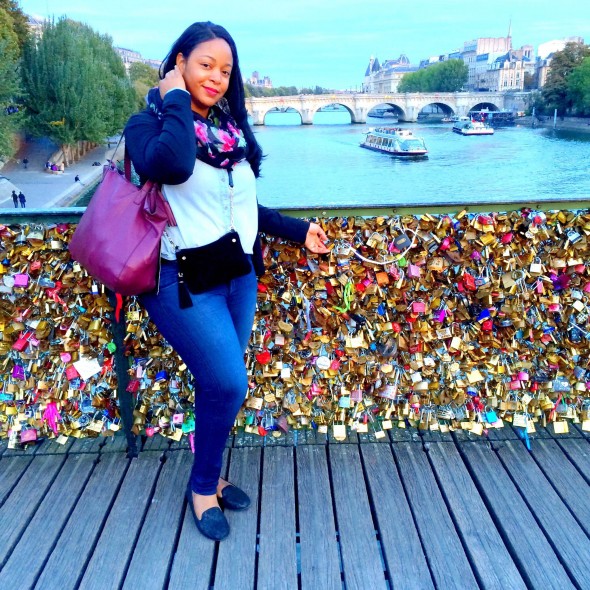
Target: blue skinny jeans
[{"x": 211, "y": 338}]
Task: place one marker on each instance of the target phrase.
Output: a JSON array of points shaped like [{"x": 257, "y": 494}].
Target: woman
[{"x": 194, "y": 139}]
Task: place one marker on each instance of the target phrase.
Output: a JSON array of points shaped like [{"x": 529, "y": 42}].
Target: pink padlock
[
  {"x": 21, "y": 280},
  {"x": 586, "y": 288},
  {"x": 523, "y": 376},
  {"x": 356, "y": 395},
  {"x": 554, "y": 307},
  {"x": 150, "y": 431},
  {"x": 28, "y": 436},
  {"x": 418, "y": 307},
  {"x": 178, "y": 418},
  {"x": 515, "y": 384},
  {"x": 414, "y": 272},
  {"x": 71, "y": 373}
]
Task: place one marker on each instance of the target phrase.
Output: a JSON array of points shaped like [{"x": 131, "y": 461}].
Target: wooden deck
[{"x": 409, "y": 511}]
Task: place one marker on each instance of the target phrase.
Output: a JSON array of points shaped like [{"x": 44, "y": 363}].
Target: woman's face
[{"x": 206, "y": 73}]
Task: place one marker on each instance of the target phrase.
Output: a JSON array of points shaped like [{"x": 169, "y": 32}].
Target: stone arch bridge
[{"x": 406, "y": 106}]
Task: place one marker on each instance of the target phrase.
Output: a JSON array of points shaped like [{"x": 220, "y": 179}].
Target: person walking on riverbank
[
  {"x": 25, "y": 163},
  {"x": 15, "y": 199},
  {"x": 22, "y": 199},
  {"x": 194, "y": 139}
]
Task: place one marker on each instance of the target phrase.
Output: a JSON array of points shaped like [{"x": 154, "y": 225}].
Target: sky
[{"x": 326, "y": 43}]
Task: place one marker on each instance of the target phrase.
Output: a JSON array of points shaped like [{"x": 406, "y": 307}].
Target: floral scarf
[{"x": 220, "y": 143}]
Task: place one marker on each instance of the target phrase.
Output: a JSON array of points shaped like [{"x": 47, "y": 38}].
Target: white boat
[
  {"x": 395, "y": 141},
  {"x": 457, "y": 119},
  {"x": 472, "y": 128}
]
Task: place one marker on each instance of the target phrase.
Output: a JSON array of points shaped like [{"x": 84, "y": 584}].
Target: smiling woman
[{"x": 194, "y": 139}]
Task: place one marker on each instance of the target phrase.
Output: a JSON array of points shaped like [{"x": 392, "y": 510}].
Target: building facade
[
  {"x": 479, "y": 47},
  {"x": 256, "y": 80},
  {"x": 385, "y": 78}
]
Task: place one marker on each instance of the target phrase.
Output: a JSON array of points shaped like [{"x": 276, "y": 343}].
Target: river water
[{"x": 323, "y": 165}]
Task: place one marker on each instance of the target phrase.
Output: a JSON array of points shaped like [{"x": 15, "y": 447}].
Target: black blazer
[{"x": 164, "y": 150}]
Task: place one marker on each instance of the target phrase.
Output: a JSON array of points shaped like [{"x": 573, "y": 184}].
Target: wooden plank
[
  {"x": 52, "y": 447},
  {"x": 36, "y": 542},
  {"x": 3, "y": 446},
  {"x": 75, "y": 544},
  {"x": 397, "y": 531},
  {"x": 24, "y": 499},
  {"x": 155, "y": 546},
  {"x": 193, "y": 560},
  {"x": 237, "y": 553},
  {"x": 284, "y": 439},
  {"x": 320, "y": 563},
  {"x": 355, "y": 523},
  {"x": 114, "y": 444},
  {"x": 29, "y": 450},
  {"x": 156, "y": 443},
  {"x": 493, "y": 567},
  {"x": 408, "y": 434},
  {"x": 277, "y": 540},
  {"x": 112, "y": 553},
  {"x": 11, "y": 470},
  {"x": 87, "y": 445},
  {"x": 566, "y": 479},
  {"x": 578, "y": 452},
  {"x": 569, "y": 540},
  {"x": 530, "y": 550},
  {"x": 444, "y": 552},
  {"x": 244, "y": 439},
  {"x": 351, "y": 437},
  {"x": 309, "y": 436},
  {"x": 504, "y": 433}
]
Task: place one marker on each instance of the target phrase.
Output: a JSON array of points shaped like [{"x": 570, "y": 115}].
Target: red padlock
[{"x": 263, "y": 357}]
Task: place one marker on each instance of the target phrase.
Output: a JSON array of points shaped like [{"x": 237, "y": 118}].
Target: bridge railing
[{"x": 440, "y": 316}]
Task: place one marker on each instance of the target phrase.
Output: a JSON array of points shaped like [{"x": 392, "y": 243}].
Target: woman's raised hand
[
  {"x": 173, "y": 79},
  {"x": 314, "y": 241}
]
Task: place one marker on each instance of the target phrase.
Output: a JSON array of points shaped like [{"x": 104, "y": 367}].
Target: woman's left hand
[{"x": 314, "y": 241}]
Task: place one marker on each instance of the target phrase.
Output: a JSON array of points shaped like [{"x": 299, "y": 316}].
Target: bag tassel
[{"x": 184, "y": 297}]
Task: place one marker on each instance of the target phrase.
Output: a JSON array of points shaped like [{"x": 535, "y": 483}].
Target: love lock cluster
[{"x": 440, "y": 322}]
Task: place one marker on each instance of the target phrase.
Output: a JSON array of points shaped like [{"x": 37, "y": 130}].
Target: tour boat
[
  {"x": 472, "y": 128},
  {"x": 394, "y": 141}
]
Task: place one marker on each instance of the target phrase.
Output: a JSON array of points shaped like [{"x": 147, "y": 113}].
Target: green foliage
[
  {"x": 75, "y": 83},
  {"x": 578, "y": 83},
  {"x": 258, "y": 91},
  {"x": 19, "y": 21},
  {"x": 446, "y": 76},
  {"x": 556, "y": 92},
  {"x": 143, "y": 77},
  {"x": 9, "y": 85},
  {"x": 8, "y": 36}
]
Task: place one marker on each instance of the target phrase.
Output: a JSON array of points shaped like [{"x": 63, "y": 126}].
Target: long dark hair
[{"x": 198, "y": 33}]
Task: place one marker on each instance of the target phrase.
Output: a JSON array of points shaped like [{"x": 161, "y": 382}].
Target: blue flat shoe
[
  {"x": 212, "y": 524},
  {"x": 234, "y": 498}
]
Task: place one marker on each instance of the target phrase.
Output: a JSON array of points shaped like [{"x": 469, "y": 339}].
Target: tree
[
  {"x": 75, "y": 84},
  {"x": 143, "y": 77},
  {"x": 556, "y": 93},
  {"x": 578, "y": 83},
  {"x": 530, "y": 82},
  {"x": 10, "y": 115},
  {"x": 19, "y": 21},
  {"x": 446, "y": 76}
]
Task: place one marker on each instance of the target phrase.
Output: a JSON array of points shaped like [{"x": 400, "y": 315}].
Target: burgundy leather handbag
[{"x": 118, "y": 237}]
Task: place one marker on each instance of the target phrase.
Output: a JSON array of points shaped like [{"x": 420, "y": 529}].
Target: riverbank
[
  {"x": 44, "y": 190},
  {"x": 567, "y": 123}
]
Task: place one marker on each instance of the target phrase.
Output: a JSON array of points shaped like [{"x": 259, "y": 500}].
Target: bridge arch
[
  {"x": 482, "y": 106},
  {"x": 436, "y": 110},
  {"x": 392, "y": 107}
]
